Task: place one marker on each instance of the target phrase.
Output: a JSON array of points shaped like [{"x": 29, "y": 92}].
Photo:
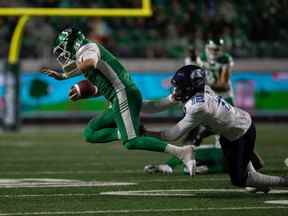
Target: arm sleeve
[
  {"x": 88, "y": 51},
  {"x": 154, "y": 106},
  {"x": 189, "y": 122}
]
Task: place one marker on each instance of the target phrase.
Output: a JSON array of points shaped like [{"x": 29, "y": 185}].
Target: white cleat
[
  {"x": 161, "y": 168},
  {"x": 191, "y": 167},
  {"x": 203, "y": 169},
  {"x": 188, "y": 159},
  {"x": 258, "y": 189}
]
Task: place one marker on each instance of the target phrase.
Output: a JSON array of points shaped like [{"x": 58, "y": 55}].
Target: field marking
[
  {"x": 281, "y": 202},
  {"x": 123, "y": 211},
  {"x": 126, "y": 171},
  {"x": 48, "y": 195},
  {"x": 18, "y": 164},
  {"x": 186, "y": 178},
  {"x": 180, "y": 192},
  {"x": 142, "y": 193},
  {"x": 53, "y": 183}
]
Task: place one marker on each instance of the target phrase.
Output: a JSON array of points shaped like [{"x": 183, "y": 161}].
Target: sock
[
  {"x": 146, "y": 143},
  {"x": 174, "y": 150},
  {"x": 173, "y": 162},
  {"x": 256, "y": 179}
]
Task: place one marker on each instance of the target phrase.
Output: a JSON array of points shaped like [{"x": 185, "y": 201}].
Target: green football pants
[{"x": 122, "y": 122}]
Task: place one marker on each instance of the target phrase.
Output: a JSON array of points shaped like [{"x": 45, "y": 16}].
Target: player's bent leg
[
  {"x": 241, "y": 170},
  {"x": 237, "y": 154},
  {"x": 256, "y": 160},
  {"x": 145, "y": 143},
  {"x": 101, "y": 129},
  {"x": 126, "y": 109}
]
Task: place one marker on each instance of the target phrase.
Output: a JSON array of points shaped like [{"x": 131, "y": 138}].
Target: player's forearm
[
  {"x": 223, "y": 82},
  {"x": 70, "y": 74},
  {"x": 172, "y": 134},
  {"x": 71, "y": 70},
  {"x": 180, "y": 129},
  {"x": 154, "y": 106}
]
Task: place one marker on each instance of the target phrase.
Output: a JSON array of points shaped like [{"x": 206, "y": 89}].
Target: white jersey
[{"x": 213, "y": 112}]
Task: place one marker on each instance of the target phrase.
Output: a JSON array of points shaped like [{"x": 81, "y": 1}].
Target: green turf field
[{"x": 51, "y": 171}]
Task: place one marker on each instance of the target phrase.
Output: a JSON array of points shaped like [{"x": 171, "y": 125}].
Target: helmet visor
[{"x": 62, "y": 55}]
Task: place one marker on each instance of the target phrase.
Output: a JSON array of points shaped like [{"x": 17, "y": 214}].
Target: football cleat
[
  {"x": 187, "y": 157},
  {"x": 203, "y": 169},
  {"x": 161, "y": 168},
  {"x": 264, "y": 189}
]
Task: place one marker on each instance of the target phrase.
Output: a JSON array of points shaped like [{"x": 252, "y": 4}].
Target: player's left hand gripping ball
[{"x": 83, "y": 89}]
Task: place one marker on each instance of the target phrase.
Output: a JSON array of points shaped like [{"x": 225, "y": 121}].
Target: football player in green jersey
[
  {"x": 219, "y": 65},
  {"x": 77, "y": 55}
]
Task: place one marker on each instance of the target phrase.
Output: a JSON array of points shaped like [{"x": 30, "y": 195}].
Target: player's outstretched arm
[
  {"x": 155, "y": 106},
  {"x": 52, "y": 73}
]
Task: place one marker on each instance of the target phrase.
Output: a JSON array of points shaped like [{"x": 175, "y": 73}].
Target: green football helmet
[
  {"x": 66, "y": 45},
  {"x": 214, "y": 48}
]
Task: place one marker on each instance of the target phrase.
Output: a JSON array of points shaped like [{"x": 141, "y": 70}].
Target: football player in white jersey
[{"x": 235, "y": 127}]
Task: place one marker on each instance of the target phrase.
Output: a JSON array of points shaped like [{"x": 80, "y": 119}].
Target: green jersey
[
  {"x": 215, "y": 68},
  {"x": 109, "y": 74}
]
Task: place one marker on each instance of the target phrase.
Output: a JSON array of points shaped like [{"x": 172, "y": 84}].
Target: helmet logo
[{"x": 196, "y": 74}]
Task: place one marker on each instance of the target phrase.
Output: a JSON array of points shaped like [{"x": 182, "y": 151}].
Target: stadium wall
[{"x": 260, "y": 87}]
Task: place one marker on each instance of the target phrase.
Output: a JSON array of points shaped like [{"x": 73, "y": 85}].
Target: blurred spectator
[
  {"x": 99, "y": 30},
  {"x": 249, "y": 28}
]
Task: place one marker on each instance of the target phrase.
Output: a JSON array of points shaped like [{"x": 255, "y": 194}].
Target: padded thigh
[{"x": 238, "y": 154}]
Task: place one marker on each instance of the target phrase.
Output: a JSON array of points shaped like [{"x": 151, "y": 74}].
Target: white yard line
[
  {"x": 180, "y": 192},
  {"x": 123, "y": 211},
  {"x": 54, "y": 183},
  {"x": 48, "y": 195},
  {"x": 163, "y": 193}
]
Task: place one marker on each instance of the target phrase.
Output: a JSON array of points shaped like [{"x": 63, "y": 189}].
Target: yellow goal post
[{"x": 11, "y": 115}]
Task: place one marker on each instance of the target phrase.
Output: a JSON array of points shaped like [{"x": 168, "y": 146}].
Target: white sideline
[{"x": 121, "y": 211}]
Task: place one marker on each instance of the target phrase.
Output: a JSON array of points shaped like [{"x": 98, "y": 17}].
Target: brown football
[{"x": 86, "y": 89}]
